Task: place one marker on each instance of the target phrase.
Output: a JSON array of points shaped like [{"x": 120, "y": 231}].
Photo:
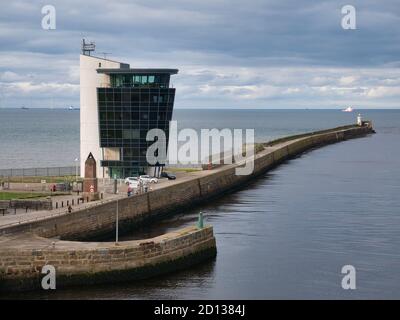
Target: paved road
[{"x": 22, "y": 216}]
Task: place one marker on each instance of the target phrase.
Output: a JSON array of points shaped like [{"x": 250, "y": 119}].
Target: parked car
[
  {"x": 148, "y": 179},
  {"x": 132, "y": 180},
  {"x": 168, "y": 175}
]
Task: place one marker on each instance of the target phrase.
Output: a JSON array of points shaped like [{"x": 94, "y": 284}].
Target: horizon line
[{"x": 205, "y": 108}]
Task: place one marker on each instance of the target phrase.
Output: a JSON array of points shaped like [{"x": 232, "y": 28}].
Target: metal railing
[
  {"x": 61, "y": 211},
  {"x": 40, "y": 172}
]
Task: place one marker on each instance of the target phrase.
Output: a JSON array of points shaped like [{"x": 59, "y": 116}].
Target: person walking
[{"x": 69, "y": 209}]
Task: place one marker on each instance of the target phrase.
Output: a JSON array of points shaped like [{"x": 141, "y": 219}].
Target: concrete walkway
[{"x": 24, "y": 217}]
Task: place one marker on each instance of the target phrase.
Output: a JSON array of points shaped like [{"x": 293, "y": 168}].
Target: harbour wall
[
  {"x": 26, "y": 248},
  {"x": 85, "y": 263},
  {"x": 99, "y": 221}
]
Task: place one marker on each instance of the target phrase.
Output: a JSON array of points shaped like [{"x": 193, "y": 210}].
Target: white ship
[{"x": 348, "y": 109}]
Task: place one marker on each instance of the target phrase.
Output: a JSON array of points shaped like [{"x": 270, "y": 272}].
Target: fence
[
  {"x": 64, "y": 171},
  {"x": 40, "y": 172}
]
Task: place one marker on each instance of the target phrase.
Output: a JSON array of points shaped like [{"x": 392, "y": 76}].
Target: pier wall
[
  {"x": 26, "y": 248},
  {"x": 83, "y": 263},
  {"x": 99, "y": 221}
]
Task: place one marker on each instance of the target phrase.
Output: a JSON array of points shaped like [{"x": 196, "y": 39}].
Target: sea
[{"x": 285, "y": 235}]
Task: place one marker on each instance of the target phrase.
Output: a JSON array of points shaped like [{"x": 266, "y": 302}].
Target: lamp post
[
  {"x": 116, "y": 225},
  {"x": 76, "y": 168}
]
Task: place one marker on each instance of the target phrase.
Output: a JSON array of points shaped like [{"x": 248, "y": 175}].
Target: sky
[{"x": 230, "y": 54}]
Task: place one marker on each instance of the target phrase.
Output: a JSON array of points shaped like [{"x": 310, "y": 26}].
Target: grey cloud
[{"x": 230, "y": 53}]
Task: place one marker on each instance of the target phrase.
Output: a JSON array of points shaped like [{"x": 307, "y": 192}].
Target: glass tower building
[{"x": 124, "y": 104}]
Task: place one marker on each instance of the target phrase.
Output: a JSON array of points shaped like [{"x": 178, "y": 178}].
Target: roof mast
[{"x": 87, "y": 47}]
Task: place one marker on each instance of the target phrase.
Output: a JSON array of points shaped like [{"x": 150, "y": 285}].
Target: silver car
[
  {"x": 132, "y": 181},
  {"x": 148, "y": 179}
]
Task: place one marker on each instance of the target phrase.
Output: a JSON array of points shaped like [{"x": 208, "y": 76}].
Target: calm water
[
  {"x": 43, "y": 137},
  {"x": 285, "y": 235}
]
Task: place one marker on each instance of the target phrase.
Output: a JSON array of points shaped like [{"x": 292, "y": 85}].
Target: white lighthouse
[{"x": 359, "y": 120}]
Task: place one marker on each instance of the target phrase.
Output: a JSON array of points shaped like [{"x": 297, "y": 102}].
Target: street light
[
  {"x": 76, "y": 168},
  {"x": 116, "y": 225}
]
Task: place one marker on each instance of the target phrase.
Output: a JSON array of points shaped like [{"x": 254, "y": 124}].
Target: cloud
[
  {"x": 258, "y": 53},
  {"x": 10, "y": 76},
  {"x": 347, "y": 80},
  {"x": 380, "y": 92}
]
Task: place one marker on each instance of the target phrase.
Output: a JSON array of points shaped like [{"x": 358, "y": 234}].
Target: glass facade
[
  {"x": 126, "y": 113},
  {"x": 140, "y": 80}
]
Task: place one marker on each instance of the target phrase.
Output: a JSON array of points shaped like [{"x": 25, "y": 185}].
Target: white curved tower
[{"x": 90, "y": 80}]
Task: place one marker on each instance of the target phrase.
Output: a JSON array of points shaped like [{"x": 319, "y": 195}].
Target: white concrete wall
[{"x": 89, "y": 123}]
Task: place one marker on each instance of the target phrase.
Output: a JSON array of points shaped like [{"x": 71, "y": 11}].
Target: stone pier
[{"x": 25, "y": 247}]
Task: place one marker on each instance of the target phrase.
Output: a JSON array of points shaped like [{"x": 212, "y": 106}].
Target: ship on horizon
[{"x": 348, "y": 109}]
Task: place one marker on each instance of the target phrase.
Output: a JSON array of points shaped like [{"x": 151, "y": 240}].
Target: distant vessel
[
  {"x": 348, "y": 109},
  {"x": 71, "y": 108},
  {"x": 24, "y": 108}
]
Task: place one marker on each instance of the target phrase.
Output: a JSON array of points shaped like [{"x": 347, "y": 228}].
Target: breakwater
[
  {"x": 99, "y": 221},
  {"x": 85, "y": 263}
]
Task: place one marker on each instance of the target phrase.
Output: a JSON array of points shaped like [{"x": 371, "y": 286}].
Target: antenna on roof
[
  {"x": 105, "y": 54},
  {"x": 87, "y": 47}
]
